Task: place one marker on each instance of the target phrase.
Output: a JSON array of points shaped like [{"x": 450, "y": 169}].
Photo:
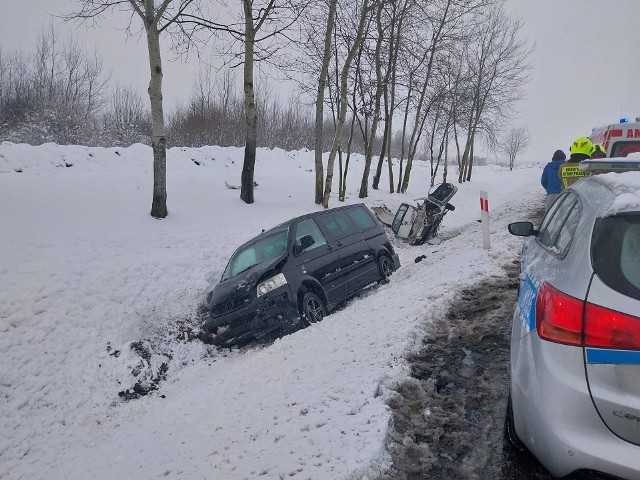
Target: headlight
[{"x": 271, "y": 284}]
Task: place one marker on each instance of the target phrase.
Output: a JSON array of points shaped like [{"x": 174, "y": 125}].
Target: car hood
[{"x": 244, "y": 284}]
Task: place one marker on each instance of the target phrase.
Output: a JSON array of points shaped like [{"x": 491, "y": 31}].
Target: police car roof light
[{"x": 610, "y": 165}]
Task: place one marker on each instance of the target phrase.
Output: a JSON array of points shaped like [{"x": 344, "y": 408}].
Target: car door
[
  {"x": 543, "y": 257},
  {"x": 321, "y": 260},
  {"x": 612, "y": 325},
  {"x": 346, "y": 240},
  {"x": 371, "y": 235}
]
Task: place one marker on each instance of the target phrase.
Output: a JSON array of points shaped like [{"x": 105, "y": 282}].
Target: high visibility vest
[{"x": 570, "y": 173}]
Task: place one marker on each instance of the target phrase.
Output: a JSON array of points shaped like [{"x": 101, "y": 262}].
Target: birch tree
[
  {"x": 261, "y": 28},
  {"x": 365, "y": 10},
  {"x": 322, "y": 81},
  {"x": 156, "y": 17}
]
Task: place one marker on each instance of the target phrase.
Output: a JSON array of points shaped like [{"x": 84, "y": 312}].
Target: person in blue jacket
[{"x": 551, "y": 178}]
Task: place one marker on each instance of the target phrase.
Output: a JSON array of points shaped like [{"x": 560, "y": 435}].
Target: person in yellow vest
[
  {"x": 598, "y": 152},
  {"x": 569, "y": 171}
]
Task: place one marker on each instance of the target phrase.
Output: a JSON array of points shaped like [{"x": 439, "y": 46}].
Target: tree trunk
[
  {"x": 250, "y": 113},
  {"x": 404, "y": 134},
  {"x": 322, "y": 80},
  {"x": 158, "y": 139},
  {"x": 364, "y": 185},
  {"x": 446, "y": 158},
  {"x": 343, "y": 174},
  {"x": 470, "y": 162},
  {"x": 342, "y": 107}
]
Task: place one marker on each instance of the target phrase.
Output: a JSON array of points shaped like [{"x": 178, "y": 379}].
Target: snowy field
[{"x": 96, "y": 296}]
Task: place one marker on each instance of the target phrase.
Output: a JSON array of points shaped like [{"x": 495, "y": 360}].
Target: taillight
[
  {"x": 558, "y": 316},
  {"x": 610, "y": 329}
]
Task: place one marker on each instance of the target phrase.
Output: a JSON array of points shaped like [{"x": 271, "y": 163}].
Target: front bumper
[{"x": 261, "y": 316}]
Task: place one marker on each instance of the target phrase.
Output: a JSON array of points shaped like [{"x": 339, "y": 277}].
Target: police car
[{"x": 575, "y": 344}]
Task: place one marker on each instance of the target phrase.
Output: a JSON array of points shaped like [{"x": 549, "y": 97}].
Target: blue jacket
[{"x": 551, "y": 178}]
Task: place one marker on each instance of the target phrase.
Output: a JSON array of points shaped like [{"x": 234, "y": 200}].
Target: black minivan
[{"x": 297, "y": 272}]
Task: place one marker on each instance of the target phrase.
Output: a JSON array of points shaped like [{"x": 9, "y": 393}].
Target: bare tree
[
  {"x": 497, "y": 69},
  {"x": 261, "y": 27},
  {"x": 515, "y": 141},
  {"x": 52, "y": 93},
  {"x": 322, "y": 81},
  {"x": 373, "y": 114},
  {"x": 156, "y": 18},
  {"x": 365, "y": 10},
  {"x": 397, "y": 13},
  {"x": 126, "y": 116}
]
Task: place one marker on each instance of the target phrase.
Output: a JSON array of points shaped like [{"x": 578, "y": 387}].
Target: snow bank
[{"x": 95, "y": 295}]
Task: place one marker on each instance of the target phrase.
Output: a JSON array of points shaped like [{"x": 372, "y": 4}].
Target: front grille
[{"x": 229, "y": 306}]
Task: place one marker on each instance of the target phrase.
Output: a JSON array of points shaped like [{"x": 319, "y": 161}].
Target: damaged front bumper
[{"x": 258, "y": 318}]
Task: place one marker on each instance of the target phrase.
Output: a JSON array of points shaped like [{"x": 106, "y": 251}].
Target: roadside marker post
[{"x": 484, "y": 217}]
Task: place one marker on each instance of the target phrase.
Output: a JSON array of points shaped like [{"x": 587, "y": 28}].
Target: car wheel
[
  {"x": 385, "y": 267},
  {"x": 510, "y": 429},
  {"x": 313, "y": 310}
]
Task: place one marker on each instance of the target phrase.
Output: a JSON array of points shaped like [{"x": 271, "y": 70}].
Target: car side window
[
  {"x": 337, "y": 225},
  {"x": 556, "y": 219},
  {"x": 568, "y": 230},
  {"x": 550, "y": 214},
  {"x": 361, "y": 218},
  {"x": 309, "y": 227}
]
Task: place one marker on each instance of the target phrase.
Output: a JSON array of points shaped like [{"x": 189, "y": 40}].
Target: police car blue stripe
[
  {"x": 527, "y": 303},
  {"x": 621, "y": 357}
]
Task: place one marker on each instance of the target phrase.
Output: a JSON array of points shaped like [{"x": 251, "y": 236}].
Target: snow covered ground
[{"x": 96, "y": 295}]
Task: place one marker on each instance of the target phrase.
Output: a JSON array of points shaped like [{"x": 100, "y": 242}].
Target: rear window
[
  {"x": 615, "y": 253},
  {"x": 622, "y": 149}
]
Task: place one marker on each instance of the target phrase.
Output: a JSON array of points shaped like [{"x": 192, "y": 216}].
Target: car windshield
[
  {"x": 616, "y": 253},
  {"x": 263, "y": 249}
]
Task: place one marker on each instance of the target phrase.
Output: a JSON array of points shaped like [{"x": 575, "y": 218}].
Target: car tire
[
  {"x": 510, "y": 429},
  {"x": 385, "y": 268},
  {"x": 312, "y": 308}
]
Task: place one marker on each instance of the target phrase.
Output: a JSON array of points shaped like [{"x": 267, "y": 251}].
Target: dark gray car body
[{"x": 338, "y": 265}]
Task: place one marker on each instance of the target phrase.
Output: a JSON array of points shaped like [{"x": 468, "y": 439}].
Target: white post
[{"x": 484, "y": 216}]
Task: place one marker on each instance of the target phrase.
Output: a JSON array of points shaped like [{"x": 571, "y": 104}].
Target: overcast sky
[{"x": 586, "y": 63}]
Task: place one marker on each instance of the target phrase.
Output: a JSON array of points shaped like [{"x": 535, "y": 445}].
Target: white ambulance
[{"x": 619, "y": 139}]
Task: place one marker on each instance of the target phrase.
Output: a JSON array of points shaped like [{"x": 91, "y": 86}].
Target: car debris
[{"x": 417, "y": 224}]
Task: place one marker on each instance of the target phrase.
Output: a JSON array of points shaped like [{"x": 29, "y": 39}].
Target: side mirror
[
  {"x": 305, "y": 242},
  {"x": 522, "y": 229}
]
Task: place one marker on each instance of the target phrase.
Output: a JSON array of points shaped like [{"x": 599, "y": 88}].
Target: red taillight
[
  {"x": 558, "y": 316},
  {"x": 559, "y": 319},
  {"x": 610, "y": 329}
]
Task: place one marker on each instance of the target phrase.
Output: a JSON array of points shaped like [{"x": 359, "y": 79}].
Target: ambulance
[{"x": 619, "y": 139}]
